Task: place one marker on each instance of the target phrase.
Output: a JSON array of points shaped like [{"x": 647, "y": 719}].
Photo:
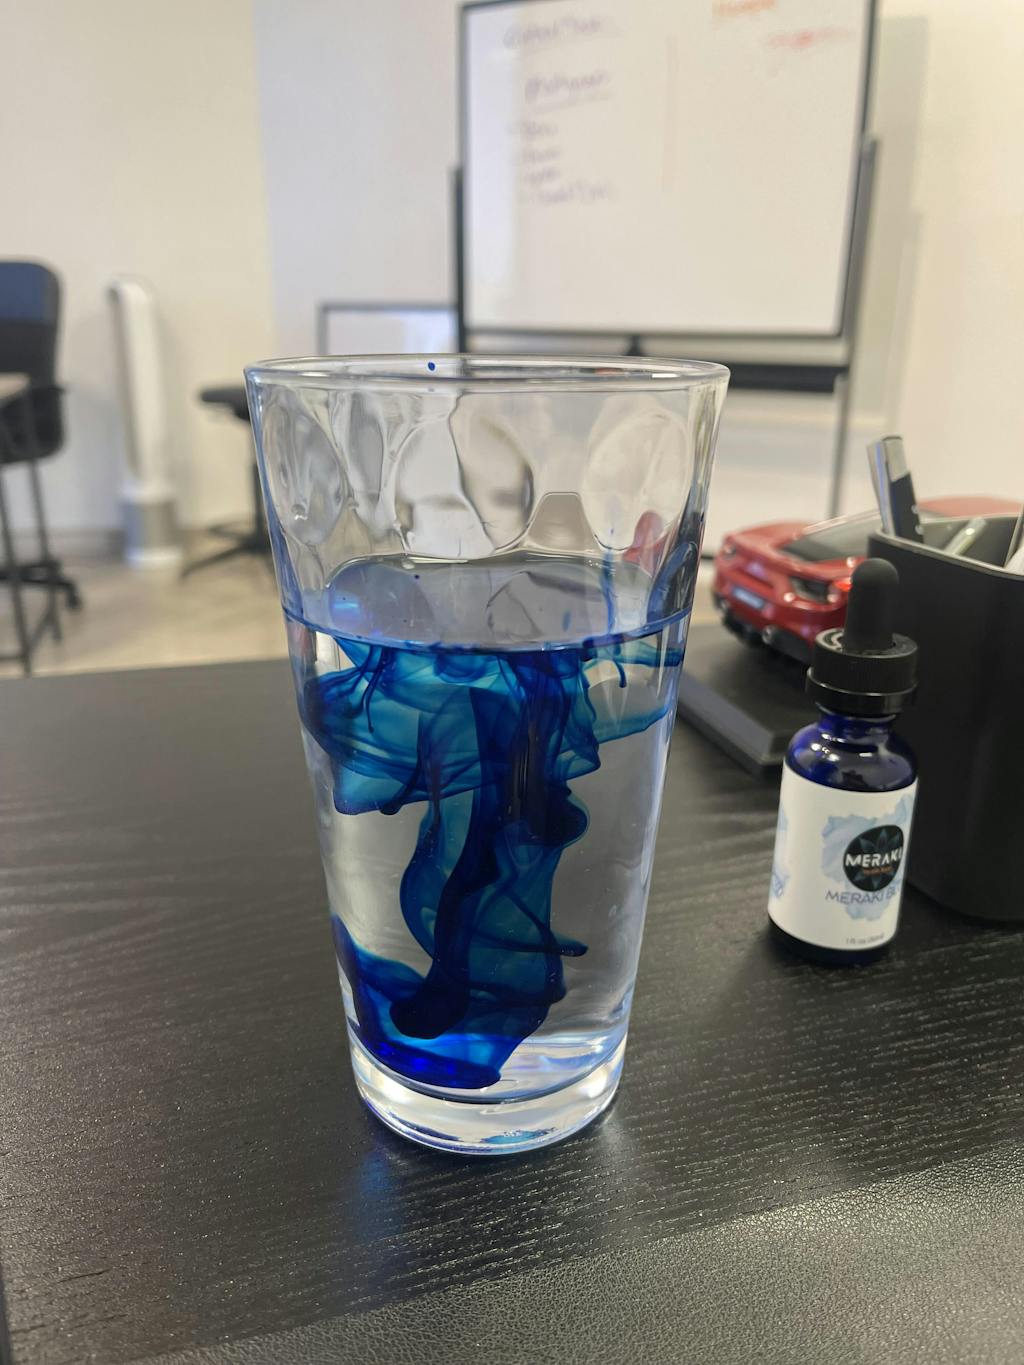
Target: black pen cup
[{"x": 966, "y": 725}]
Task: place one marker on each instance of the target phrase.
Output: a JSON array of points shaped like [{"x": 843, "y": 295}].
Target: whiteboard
[{"x": 661, "y": 165}]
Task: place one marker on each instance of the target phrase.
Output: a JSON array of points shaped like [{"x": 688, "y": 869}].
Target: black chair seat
[
  {"x": 31, "y": 427},
  {"x": 41, "y": 425},
  {"x": 227, "y": 396},
  {"x": 29, "y": 316}
]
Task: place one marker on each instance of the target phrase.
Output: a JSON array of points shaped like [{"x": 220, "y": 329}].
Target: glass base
[{"x": 479, "y": 1129}]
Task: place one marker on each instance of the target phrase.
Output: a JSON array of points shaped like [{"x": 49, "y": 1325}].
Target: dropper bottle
[{"x": 848, "y": 787}]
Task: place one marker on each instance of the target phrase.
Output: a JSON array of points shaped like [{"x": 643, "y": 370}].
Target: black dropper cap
[{"x": 865, "y": 669}]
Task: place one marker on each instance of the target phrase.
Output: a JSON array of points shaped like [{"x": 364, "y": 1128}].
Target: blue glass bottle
[
  {"x": 854, "y": 754},
  {"x": 848, "y": 788}
]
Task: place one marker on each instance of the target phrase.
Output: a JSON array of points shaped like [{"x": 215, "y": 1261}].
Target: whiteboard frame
[{"x": 856, "y": 210}]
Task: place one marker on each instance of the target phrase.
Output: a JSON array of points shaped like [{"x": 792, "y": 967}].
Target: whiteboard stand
[
  {"x": 851, "y": 317},
  {"x": 459, "y": 239},
  {"x": 805, "y": 377},
  {"x": 775, "y": 298}
]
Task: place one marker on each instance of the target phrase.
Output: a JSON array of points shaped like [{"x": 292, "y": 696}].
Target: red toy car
[{"x": 785, "y": 582}]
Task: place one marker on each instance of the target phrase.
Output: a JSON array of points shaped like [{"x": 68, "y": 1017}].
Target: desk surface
[{"x": 801, "y": 1165}]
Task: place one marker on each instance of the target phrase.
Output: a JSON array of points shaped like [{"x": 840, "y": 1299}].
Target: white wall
[
  {"x": 359, "y": 124},
  {"x": 131, "y": 145},
  {"x": 960, "y": 403},
  {"x": 143, "y": 154}
]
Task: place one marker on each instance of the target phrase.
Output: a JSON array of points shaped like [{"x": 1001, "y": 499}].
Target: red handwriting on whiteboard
[
  {"x": 732, "y": 9},
  {"x": 804, "y": 38}
]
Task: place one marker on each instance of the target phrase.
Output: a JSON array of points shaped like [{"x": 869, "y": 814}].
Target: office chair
[
  {"x": 253, "y": 539},
  {"x": 31, "y": 427}
]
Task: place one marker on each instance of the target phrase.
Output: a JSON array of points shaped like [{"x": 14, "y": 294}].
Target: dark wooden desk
[{"x": 801, "y": 1165}]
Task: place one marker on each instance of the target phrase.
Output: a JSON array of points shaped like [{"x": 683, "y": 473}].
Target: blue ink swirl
[{"x": 489, "y": 742}]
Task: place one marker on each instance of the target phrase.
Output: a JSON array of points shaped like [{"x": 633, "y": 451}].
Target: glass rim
[{"x": 490, "y": 372}]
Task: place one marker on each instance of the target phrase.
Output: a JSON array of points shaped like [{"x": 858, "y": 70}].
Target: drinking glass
[{"x": 487, "y": 566}]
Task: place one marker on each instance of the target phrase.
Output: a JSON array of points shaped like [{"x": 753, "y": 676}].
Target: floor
[{"x": 134, "y": 618}]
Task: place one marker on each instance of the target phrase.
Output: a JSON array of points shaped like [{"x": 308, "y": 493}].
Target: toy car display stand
[{"x": 747, "y": 700}]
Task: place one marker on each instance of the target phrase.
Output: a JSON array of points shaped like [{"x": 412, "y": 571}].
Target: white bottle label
[{"x": 837, "y": 877}]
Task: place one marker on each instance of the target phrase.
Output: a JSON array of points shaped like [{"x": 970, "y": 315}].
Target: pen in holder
[{"x": 966, "y": 726}]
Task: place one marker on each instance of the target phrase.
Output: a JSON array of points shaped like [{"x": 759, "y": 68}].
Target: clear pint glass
[{"x": 487, "y": 566}]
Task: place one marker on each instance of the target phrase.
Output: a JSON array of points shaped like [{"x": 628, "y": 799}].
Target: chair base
[
  {"x": 253, "y": 542},
  {"x": 44, "y": 573}
]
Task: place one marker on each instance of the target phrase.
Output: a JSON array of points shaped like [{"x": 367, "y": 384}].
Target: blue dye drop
[
  {"x": 488, "y": 741},
  {"x": 431, "y": 365}
]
